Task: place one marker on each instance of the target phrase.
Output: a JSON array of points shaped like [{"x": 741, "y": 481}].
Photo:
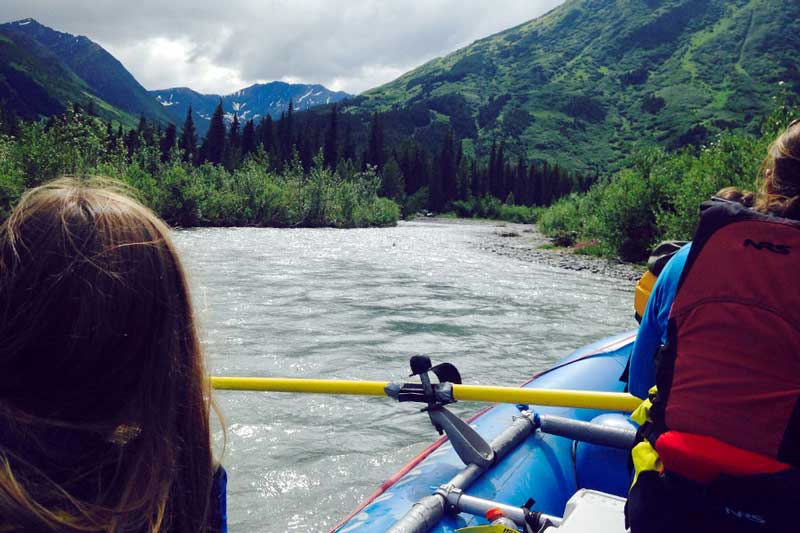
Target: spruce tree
[
  {"x": 213, "y": 148},
  {"x": 133, "y": 142},
  {"x": 492, "y": 170},
  {"x": 448, "y": 168},
  {"x": 286, "y": 133},
  {"x": 464, "y": 178},
  {"x": 234, "y": 140},
  {"x": 168, "y": 142},
  {"x": 349, "y": 145},
  {"x": 331, "y": 151},
  {"x": 376, "y": 154},
  {"x": 145, "y": 130},
  {"x": 248, "y": 139},
  {"x": 392, "y": 182},
  {"x": 233, "y": 146},
  {"x": 266, "y": 135},
  {"x": 111, "y": 139},
  {"x": 188, "y": 140}
]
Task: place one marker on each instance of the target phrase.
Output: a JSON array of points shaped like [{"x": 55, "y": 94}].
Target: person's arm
[
  {"x": 653, "y": 328},
  {"x": 219, "y": 504}
]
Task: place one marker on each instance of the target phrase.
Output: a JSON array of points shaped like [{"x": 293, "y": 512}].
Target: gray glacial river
[{"x": 356, "y": 304}]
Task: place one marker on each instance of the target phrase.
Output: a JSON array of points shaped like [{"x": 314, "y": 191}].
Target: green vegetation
[
  {"x": 249, "y": 193},
  {"x": 657, "y": 198},
  {"x": 34, "y": 82},
  {"x": 42, "y": 71},
  {"x": 585, "y": 84},
  {"x": 489, "y": 207}
]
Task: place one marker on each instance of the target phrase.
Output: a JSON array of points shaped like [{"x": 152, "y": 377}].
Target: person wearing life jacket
[
  {"x": 720, "y": 446},
  {"x": 104, "y": 400},
  {"x": 656, "y": 289}
]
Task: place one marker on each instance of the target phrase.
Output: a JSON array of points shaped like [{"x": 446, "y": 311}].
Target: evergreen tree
[
  {"x": 168, "y": 142},
  {"x": 499, "y": 190},
  {"x": 213, "y": 148},
  {"x": 188, "y": 140},
  {"x": 234, "y": 140},
  {"x": 448, "y": 168},
  {"x": 464, "y": 179},
  {"x": 111, "y": 139},
  {"x": 133, "y": 142},
  {"x": 436, "y": 199},
  {"x": 492, "y": 170},
  {"x": 476, "y": 173},
  {"x": 306, "y": 149},
  {"x": 233, "y": 145},
  {"x": 376, "y": 151},
  {"x": 266, "y": 134},
  {"x": 349, "y": 145},
  {"x": 286, "y": 134},
  {"x": 249, "y": 139},
  {"x": 331, "y": 150},
  {"x": 392, "y": 183},
  {"x": 145, "y": 130}
]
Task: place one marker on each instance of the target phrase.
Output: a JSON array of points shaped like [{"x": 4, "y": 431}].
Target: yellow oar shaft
[
  {"x": 315, "y": 386},
  {"x": 607, "y": 401}
]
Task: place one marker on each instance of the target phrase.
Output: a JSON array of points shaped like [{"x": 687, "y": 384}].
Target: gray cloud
[{"x": 218, "y": 47}]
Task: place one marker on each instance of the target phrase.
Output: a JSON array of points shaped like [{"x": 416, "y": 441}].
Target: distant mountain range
[
  {"x": 254, "y": 102},
  {"x": 585, "y": 83},
  {"x": 43, "y": 70}
]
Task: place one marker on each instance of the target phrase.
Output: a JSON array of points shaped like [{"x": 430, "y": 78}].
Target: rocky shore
[{"x": 526, "y": 243}]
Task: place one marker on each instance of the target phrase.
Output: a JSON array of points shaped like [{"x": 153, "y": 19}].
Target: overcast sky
[{"x": 220, "y": 46}]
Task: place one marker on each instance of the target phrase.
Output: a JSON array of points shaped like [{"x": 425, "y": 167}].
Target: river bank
[{"x": 526, "y": 243}]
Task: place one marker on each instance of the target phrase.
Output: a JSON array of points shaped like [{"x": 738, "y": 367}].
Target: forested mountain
[
  {"x": 34, "y": 82},
  {"x": 103, "y": 75},
  {"x": 254, "y": 102},
  {"x": 588, "y": 81}
]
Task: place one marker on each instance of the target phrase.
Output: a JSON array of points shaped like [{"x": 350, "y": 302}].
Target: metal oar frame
[
  {"x": 468, "y": 444},
  {"x": 477, "y": 454}
]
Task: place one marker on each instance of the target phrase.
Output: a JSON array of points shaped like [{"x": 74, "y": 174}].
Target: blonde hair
[
  {"x": 779, "y": 189},
  {"x": 98, "y": 346}
]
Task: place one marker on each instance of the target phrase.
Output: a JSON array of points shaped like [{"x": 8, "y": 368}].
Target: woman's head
[
  {"x": 97, "y": 334},
  {"x": 780, "y": 175}
]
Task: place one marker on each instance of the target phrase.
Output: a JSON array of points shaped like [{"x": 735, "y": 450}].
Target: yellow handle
[{"x": 606, "y": 401}]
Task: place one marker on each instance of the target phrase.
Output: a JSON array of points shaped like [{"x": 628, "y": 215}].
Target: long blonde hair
[
  {"x": 779, "y": 189},
  {"x": 104, "y": 403}
]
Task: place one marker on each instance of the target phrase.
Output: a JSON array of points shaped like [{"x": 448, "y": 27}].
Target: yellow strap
[
  {"x": 645, "y": 459},
  {"x": 641, "y": 414},
  {"x": 607, "y": 401}
]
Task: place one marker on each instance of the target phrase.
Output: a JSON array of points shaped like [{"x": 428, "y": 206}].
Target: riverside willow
[
  {"x": 657, "y": 197},
  {"x": 77, "y": 143}
]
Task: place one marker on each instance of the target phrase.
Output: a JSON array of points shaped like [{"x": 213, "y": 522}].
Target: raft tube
[{"x": 547, "y": 468}]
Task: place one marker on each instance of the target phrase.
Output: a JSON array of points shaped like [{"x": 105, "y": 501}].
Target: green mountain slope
[
  {"x": 34, "y": 82},
  {"x": 103, "y": 73},
  {"x": 588, "y": 80}
]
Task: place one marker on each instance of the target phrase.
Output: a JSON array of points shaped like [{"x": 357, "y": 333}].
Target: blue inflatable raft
[{"x": 546, "y": 468}]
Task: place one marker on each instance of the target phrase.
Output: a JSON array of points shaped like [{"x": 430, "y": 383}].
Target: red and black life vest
[{"x": 729, "y": 377}]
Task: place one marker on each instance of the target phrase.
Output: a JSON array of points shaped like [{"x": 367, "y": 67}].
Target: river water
[{"x": 356, "y": 304}]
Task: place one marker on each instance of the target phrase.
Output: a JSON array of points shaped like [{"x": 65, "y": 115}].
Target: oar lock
[{"x": 468, "y": 444}]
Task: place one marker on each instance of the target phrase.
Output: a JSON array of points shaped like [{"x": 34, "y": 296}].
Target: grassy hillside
[
  {"x": 34, "y": 82},
  {"x": 592, "y": 79}
]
